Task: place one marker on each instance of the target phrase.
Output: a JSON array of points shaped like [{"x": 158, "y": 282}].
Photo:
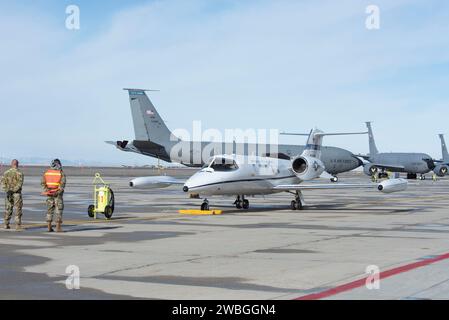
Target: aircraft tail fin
[
  {"x": 444, "y": 149},
  {"x": 148, "y": 124},
  {"x": 372, "y": 144},
  {"x": 314, "y": 143}
]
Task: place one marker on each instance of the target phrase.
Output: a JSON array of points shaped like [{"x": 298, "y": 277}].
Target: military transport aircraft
[
  {"x": 240, "y": 176},
  {"x": 154, "y": 139},
  {"x": 411, "y": 163}
]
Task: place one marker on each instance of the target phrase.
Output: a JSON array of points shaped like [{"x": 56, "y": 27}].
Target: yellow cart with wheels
[{"x": 104, "y": 200}]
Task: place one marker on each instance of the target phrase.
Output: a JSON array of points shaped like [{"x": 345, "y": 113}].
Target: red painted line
[{"x": 361, "y": 282}]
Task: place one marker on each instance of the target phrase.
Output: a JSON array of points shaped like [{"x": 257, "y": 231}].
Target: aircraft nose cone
[{"x": 185, "y": 189}]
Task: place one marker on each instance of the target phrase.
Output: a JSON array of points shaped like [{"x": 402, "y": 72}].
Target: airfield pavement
[{"x": 149, "y": 250}]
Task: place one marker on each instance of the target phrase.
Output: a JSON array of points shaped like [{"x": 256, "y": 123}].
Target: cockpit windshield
[
  {"x": 224, "y": 164},
  {"x": 207, "y": 163}
]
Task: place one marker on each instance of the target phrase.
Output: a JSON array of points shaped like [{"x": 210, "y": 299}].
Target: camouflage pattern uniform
[
  {"x": 12, "y": 182},
  {"x": 55, "y": 203}
]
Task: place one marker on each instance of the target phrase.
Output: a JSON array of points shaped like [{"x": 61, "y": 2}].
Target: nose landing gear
[
  {"x": 205, "y": 205},
  {"x": 298, "y": 203},
  {"x": 241, "y": 203}
]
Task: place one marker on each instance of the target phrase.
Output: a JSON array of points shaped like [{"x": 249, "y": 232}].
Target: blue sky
[{"x": 290, "y": 65}]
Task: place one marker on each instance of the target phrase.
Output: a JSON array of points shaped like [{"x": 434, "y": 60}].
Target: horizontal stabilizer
[{"x": 322, "y": 134}]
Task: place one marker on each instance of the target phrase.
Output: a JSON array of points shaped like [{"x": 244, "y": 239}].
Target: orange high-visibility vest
[{"x": 52, "y": 179}]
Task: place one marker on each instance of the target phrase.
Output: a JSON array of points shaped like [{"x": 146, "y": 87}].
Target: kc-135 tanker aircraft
[
  {"x": 154, "y": 139},
  {"x": 408, "y": 162}
]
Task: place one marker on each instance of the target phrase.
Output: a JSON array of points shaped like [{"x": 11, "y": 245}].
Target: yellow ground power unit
[{"x": 103, "y": 199}]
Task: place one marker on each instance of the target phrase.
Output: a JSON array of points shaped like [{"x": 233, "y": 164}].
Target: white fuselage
[{"x": 250, "y": 176}]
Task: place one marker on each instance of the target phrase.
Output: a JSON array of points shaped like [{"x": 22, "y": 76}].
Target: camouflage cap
[{"x": 56, "y": 164}]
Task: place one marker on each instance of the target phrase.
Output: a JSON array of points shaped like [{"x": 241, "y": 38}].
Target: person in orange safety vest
[{"x": 53, "y": 182}]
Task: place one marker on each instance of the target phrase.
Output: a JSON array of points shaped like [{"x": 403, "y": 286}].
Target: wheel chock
[{"x": 201, "y": 212}]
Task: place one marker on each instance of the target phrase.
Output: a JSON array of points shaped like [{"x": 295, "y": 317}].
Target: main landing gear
[
  {"x": 414, "y": 176},
  {"x": 411, "y": 176},
  {"x": 205, "y": 205},
  {"x": 334, "y": 179},
  {"x": 241, "y": 203},
  {"x": 298, "y": 203},
  {"x": 382, "y": 175}
]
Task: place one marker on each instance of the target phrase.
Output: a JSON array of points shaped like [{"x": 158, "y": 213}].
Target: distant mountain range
[
  {"x": 46, "y": 161},
  {"x": 37, "y": 161}
]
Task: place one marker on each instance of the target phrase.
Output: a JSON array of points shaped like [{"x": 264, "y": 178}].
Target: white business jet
[{"x": 254, "y": 175}]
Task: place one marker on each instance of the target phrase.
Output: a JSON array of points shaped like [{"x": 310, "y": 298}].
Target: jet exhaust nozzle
[{"x": 307, "y": 168}]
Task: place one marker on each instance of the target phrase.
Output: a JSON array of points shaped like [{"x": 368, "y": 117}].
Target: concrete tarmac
[{"x": 149, "y": 250}]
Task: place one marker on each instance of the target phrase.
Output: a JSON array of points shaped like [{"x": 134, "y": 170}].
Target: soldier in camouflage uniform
[
  {"x": 12, "y": 182},
  {"x": 53, "y": 183}
]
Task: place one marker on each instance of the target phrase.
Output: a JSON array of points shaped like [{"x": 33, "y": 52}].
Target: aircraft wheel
[
  {"x": 108, "y": 212},
  {"x": 204, "y": 206},
  {"x": 293, "y": 205},
  {"x": 245, "y": 204},
  {"x": 90, "y": 211},
  {"x": 334, "y": 179},
  {"x": 299, "y": 205},
  {"x": 238, "y": 204}
]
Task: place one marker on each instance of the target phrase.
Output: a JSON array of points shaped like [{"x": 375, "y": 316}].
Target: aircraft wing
[
  {"x": 318, "y": 186},
  {"x": 363, "y": 156},
  {"x": 387, "y": 166},
  {"x": 386, "y": 186},
  {"x": 440, "y": 161}
]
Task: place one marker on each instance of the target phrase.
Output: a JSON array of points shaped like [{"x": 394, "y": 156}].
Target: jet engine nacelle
[
  {"x": 307, "y": 168},
  {"x": 392, "y": 185},
  {"x": 152, "y": 182},
  {"x": 441, "y": 170},
  {"x": 370, "y": 169}
]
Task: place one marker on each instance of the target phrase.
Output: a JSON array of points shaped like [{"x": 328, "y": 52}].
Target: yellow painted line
[{"x": 201, "y": 212}]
